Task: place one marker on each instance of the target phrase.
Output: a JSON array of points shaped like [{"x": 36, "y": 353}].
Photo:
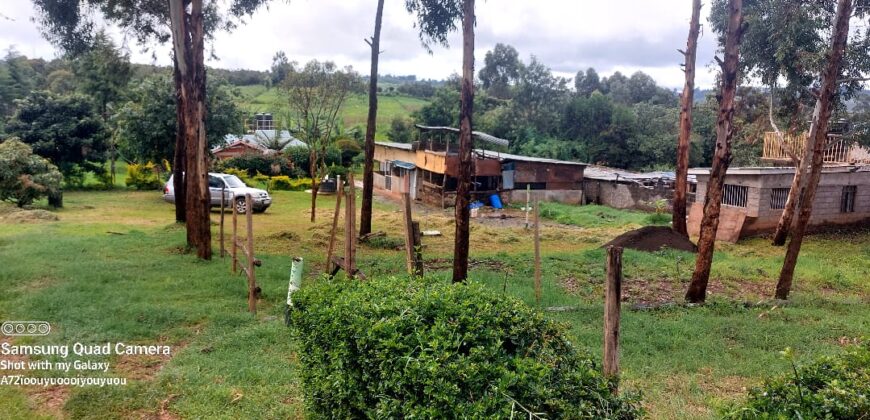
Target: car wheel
[{"x": 241, "y": 206}]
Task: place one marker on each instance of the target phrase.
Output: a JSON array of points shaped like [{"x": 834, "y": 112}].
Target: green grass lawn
[
  {"x": 113, "y": 269},
  {"x": 257, "y": 98}
]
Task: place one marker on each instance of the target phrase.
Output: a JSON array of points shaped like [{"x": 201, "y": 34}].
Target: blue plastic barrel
[{"x": 495, "y": 201}]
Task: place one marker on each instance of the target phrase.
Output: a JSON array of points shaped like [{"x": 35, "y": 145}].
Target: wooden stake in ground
[
  {"x": 234, "y": 244},
  {"x": 612, "y": 303},
  {"x": 528, "y": 203},
  {"x": 409, "y": 232},
  {"x": 339, "y": 189},
  {"x": 249, "y": 254},
  {"x": 350, "y": 229},
  {"x": 223, "y": 207},
  {"x": 538, "y": 290},
  {"x": 418, "y": 249}
]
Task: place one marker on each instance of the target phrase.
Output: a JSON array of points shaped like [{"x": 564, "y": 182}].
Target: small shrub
[
  {"x": 393, "y": 348},
  {"x": 658, "y": 219},
  {"x": 143, "y": 176},
  {"x": 829, "y": 388},
  {"x": 25, "y": 176},
  {"x": 280, "y": 183}
]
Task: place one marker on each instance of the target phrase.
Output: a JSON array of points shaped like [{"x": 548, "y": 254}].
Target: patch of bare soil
[
  {"x": 653, "y": 238},
  {"x": 30, "y": 216}
]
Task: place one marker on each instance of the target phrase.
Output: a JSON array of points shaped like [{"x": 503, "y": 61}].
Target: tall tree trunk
[
  {"x": 463, "y": 213},
  {"x": 178, "y": 185},
  {"x": 721, "y": 158},
  {"x": 819, "y": 134},
  {"x": 365, "y": 224},
  {"x": 188, "y": 43},
  {"x": 686, "y": 102}
]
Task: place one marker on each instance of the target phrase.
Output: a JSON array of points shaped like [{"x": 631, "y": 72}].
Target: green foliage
[
  {"x": 285, "y": 183},
  {"x": 24, "y": 176},
  {"x": 829, "y": 388},
  {"x": 253, "y": 163},
  {"x": 401, "y": 130},
  {"x": 63, "y": 129},
  {"x": 592, "y": 216},
  {"x": 146, "y": 123},
  {"x": 394, "y": 348},
  {"x": 144, "y": 176},
  {"x": 103, "y": 72},
  {"x": 658, "y": 219}
]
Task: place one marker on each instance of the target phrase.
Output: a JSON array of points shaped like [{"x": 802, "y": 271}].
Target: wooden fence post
[
  {"x": 234, "y": 245},
  {"x": 612, "y": 302},
  {"x": 252, "y": 282},
  {"x": 409, "y": 233},
  {"x": 350, "y": 229},
  {"x": 538, "y": 290},
  {"x": 418, "y": 249},
  {"x": 339, "y": 191},
  {"x": 223, "y": 207},
  {"x": 528, "y": 202}
]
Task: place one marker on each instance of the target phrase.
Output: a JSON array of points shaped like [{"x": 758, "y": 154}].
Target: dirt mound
[
  {"x": 653, "y": 238},
  {"x": 31, "y": 216}
]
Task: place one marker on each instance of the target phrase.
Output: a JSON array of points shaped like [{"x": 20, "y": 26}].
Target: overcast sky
[{"x": 566, "y": 35}]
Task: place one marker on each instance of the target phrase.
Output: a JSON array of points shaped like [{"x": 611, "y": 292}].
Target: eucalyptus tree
[
  {"x": 697, "y": 291},
  {"x": 435, "y": 20},
  {"x": 686, "y": 104},
  {"x": 365, "y": 225}
]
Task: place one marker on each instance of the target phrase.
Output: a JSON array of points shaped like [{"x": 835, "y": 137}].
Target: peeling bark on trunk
[
  {"x": 365, "y": 224},
  {"x": 461, "y": 243},
  {"x": 178, "y": 159},
  {"x": 188, "y": 44},
  {"x": 686, "y": 102},
  {"x": 721, "y": 158},
  {"x": 818, "y": 134},
  {"x": 314, "y": 187}
]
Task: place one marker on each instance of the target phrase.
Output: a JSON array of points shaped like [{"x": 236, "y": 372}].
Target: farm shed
[
  {"x": 623, "y": 189},
  {"x": 753, "y": 199},
  {"x": 428, "y": 170}
]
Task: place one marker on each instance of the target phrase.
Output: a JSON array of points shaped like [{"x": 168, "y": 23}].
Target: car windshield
[{"x": 234, "y": 181}]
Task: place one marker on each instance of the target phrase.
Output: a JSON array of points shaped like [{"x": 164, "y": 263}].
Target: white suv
[{"x": 234, "y": 190}]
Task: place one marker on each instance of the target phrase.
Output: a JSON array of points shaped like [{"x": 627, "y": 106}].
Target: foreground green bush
[
  {"x": 413, "y": 349},
  {"x": 829, "y": 388},
  {"x": 25, "y": 176}
]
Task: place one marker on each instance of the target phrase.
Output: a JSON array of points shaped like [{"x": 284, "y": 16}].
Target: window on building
[
  {"x": 778, "y": 197},
  {"x": 735, "y": 195},
  {"x": 847, "y": 202}
]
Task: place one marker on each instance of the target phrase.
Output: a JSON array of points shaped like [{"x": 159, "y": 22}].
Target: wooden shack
[{"x": 428, "y": 170}]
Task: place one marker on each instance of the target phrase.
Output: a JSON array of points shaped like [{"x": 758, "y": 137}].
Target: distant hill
[{"x": 257, "y": 98}]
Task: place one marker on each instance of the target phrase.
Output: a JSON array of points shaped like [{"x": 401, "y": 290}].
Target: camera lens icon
[{"x": 25, "y": 328}]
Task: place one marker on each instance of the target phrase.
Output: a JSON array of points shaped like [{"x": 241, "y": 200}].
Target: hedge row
[
  {"x": 830, "y": 388},
  {"x": 393, "y": 348}
]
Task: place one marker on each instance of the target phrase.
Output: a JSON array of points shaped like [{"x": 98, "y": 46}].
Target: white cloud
[{"x": 566, "y": 35}]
